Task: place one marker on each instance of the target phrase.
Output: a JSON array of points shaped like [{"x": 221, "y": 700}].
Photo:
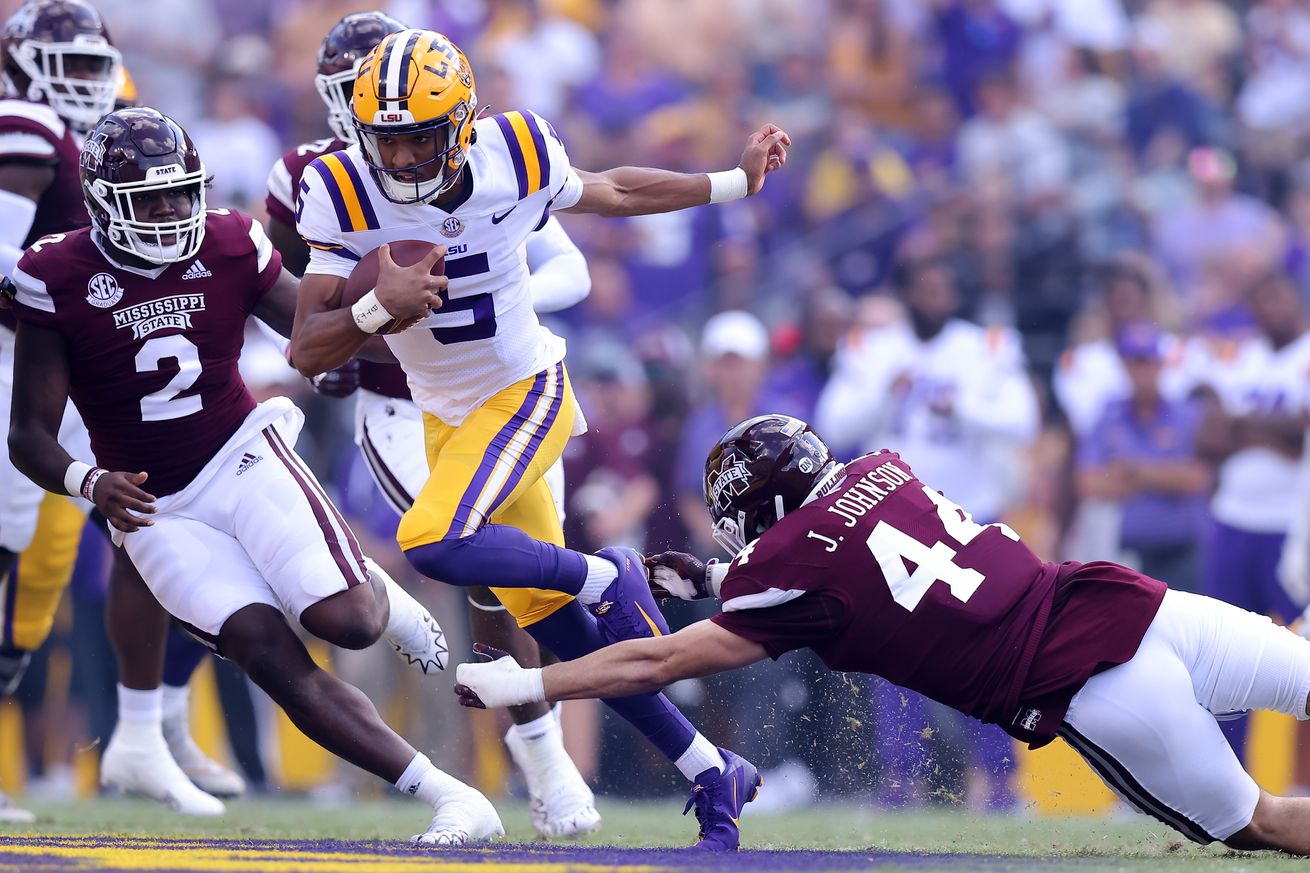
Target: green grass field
[{"x": 919, "y": 841}]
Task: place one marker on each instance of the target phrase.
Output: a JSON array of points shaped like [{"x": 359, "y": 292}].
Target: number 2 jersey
[
  {"x": 884, "y": 575},
  {"x": 486, "y": 336},
  {"x": 152, "y": 354}
]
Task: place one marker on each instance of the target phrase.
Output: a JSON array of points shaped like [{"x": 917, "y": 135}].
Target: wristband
[
  {"x": 714, "y": 575},
  {"x": 728, "y": 185},
  {"x": 533, "y": 685},
  {"x": 75, "y": 475},
  {"x": 369, "y": 314},
  {"x": 89, "y": 483}
]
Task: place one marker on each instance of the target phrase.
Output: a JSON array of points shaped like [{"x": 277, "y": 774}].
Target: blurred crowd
[{"x": 1055, "y": 252}]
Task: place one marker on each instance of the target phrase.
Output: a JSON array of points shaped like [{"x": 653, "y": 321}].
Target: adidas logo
[
  {"x": 247, "y": 461},
  {"x": 196, "y": 271}
]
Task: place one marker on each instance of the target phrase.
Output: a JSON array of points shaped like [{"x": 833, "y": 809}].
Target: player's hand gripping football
[
  {"x": 500, "y": 681},
  {"x": 677, "y": 574},
  {"x": 409, "y": 293},
  {"x": 341, "y": 382},
  {"x": 122, "y": 502},
  {"x": 766, "y": 151}
]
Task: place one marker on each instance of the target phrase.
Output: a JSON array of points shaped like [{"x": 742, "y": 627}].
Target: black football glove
[
  {"x": 341, "y": 382},
  {"x": 677, "y": 574}
]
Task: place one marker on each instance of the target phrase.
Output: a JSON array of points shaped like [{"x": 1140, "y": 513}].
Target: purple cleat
[
  {"x": 627, "y": 610},
  {"x": 719, "y": 799}
]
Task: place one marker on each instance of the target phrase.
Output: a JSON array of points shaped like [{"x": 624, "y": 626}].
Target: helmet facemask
[
  {"x": 82, "y": 102},
  {"x": 335, "y": 89},
  {"x": 157, "y": 242},
  {"x": 449, "y": 154}
]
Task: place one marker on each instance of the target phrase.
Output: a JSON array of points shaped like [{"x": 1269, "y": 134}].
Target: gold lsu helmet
[{"x": 416, "y": 83}]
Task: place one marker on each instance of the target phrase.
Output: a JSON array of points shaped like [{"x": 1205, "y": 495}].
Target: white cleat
[
  {"x": 208, "y": 775},
  {"x": 560, "y": 804},
  {"x": 462, "y": 819},
  {"x": 425, "y": 648},
  {"x": 13, "y": 814},
  {"x": 137, "y": 761}
]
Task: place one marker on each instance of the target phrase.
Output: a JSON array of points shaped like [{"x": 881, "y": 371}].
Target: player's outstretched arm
[
  {"x": 621, "y": 670},
  {"x": 40, "y": 395},
  {"x": 645, "y": 190}
]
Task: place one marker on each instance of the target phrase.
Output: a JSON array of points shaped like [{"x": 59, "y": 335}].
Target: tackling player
[
  {"x": 489, "y": 378},
  {"x": 141, "y": 320},
  {"x": 389, "y": 427},
  {"x": 878, "y": 573},
  {"x": 61, "y": 74}
]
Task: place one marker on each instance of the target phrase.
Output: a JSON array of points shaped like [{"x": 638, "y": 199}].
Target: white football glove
[{"x": 499, "y": 682}]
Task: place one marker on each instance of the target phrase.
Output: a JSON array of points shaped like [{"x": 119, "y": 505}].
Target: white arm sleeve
[
  {"x": 559, "y": 276},
  {"x": 16, "y": 216}
]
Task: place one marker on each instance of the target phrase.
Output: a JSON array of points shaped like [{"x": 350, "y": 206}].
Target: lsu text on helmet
[
  {"x": 339, "y": 57},
  {"x": 414, "y": 108}
]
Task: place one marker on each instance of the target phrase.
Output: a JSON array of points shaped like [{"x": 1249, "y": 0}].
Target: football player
[
  {"x": 877, "y": 572},
  {"x": 389, "y": 427},
  {"x": 140, "y": 319},
  {"x": 496, "y": 401},
  {"x": 61, "y": 74}
]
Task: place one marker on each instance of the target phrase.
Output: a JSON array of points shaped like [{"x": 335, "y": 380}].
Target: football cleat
[
  {"x": 560, "y": 804},
  {"x": 13, "y": 814},
  {"x": 627, "y": 609},
  {"x": 719, "y": 799},
  {"x": 137, "y": 761},
  {"x": 207, "y": 774},
  {"x": 425, "y": 648},
  {"x": 464, "y": 817}
]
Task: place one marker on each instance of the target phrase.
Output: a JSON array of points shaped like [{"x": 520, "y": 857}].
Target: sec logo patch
[
  {"x": 452, "y": 227},
  {"x": 103, "y": 291}
]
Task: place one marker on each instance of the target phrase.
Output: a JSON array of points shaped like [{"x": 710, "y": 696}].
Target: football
[{"x": 405, "y": 253}]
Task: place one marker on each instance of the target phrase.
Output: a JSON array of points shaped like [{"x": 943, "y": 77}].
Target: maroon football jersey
[
  {"x": 284, "y": 180},
  {"x": 283, "y": 196},
  {"x": 153, "y": 354},
  {"x": 34, "y": 134},
  {"x": 884, "y": 575}
]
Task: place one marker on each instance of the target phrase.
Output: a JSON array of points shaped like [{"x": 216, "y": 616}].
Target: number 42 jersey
[
  {"x": 885, "y": 575},
  {"x": 486, "y": 336}
]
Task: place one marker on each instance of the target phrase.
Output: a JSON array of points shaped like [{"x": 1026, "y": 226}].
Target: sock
[
  {"x": 571, "y": 632},
  {"x": 701, "y": 755},
  {"x": 600, "y": 575},
  {"x": 143, "y": 708},
  {"x": 502, "y": 556},
  {"x": 406, "y": 617},
  {"x": 426, "y": 782},
  {"x": 182, "y": 655},
  {"x": 537, "y": 728},
  {"x": 175, "y": 699}
]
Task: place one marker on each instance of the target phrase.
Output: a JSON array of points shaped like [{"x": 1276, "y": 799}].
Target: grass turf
[{"x": 921, "y": 841}]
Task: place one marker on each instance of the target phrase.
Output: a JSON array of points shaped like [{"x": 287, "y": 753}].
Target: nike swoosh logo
[{"x": 497, "y": 219}]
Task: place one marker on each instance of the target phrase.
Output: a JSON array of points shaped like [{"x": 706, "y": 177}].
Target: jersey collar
[{"x": 153, "y": 273}]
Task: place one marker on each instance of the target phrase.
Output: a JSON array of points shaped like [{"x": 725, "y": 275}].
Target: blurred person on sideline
[
  {"x": 956, "y": 401},
  {"x": 1142, "y": 455},
  {"x": 1257, "y": 397},
  {"x": 240, "y": 145}
]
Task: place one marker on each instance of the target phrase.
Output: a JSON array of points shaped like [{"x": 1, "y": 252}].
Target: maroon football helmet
[
  {"x": 58, "y": 52},
  {"x": 133, "y": 156},
  {"x": 759, "y": 471},
  {"x": 346, "y": 44}
]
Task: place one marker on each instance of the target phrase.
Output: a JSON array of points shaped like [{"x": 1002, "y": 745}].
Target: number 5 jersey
[{"x": 486, "y": 335}]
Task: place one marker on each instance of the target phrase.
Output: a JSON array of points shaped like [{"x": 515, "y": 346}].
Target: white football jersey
[
  {"x": 486, "y": 337},
  {"x": 958, "y": 408},
  {"x": 1256, "y": 485},
  {"x": 1091, "y": 375}
]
